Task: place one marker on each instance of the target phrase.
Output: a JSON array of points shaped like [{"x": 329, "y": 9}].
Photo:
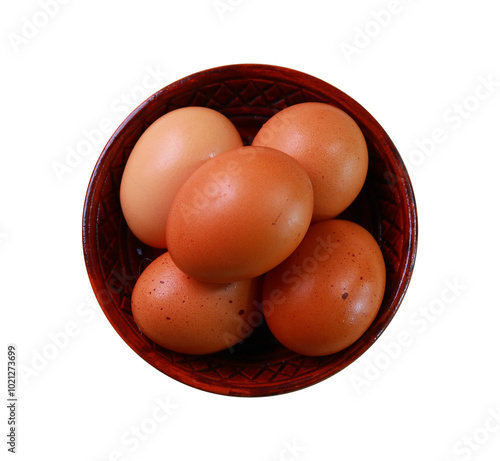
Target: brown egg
[
  {"x": 184, "y": 315},
  {"x": 328, "y": 292},
  {"x": 162, "y": 159},
  {"x": 328, "y": 144},
  {"x": 239, "y": 215}
]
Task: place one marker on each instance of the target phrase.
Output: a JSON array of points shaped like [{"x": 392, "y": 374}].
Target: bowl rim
[{"x": 346, "y": 103}]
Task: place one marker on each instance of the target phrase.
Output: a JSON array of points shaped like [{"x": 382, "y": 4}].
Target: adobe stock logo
[
  {"x": 371, "y": 29},
  {"x": 420, "y": 320},
  {"x": 138, "y": 433},
  {"x": 290, "y": 450},
  {"x": 31, "y": 26},
  {"x": 453, "y": 120},
  {"x": 222, "y": 7},
  {"x": 95, "y": 137},
  {"x": 474, "y": 440},
  {"x": 58, "y": 340}
]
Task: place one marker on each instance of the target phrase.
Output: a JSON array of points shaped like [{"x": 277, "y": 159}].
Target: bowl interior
[{"x": 248, "y": 95}]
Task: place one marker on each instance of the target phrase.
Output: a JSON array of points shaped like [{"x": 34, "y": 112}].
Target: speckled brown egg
[
  {"x": 184, "y": 315},
  {"x": 239, "y": 215},
  {"x": 328, "y": 292},
  {"x": 328, "y": 144},
  {"x": 165, "y": 155}
]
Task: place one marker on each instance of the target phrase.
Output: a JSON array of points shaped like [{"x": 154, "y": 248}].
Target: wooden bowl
[{"x": 248, "y": 95}]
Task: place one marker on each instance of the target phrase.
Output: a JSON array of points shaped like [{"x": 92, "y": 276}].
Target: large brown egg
[
  {"x": 239, "y": 215},
  {"x": 163, "y": 158},
  {"x": 328, "y": 144},
  {"x": 184, "y": 315},
  {"x": 328, "y": 292}
]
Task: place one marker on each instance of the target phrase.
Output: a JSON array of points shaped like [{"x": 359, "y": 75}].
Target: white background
[{"x": 427, "y": 69}]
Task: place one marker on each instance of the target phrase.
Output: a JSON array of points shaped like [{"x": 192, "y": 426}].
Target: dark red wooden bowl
[{"x": 248, "y": 94}]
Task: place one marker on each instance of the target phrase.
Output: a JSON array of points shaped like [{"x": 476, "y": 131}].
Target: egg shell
[
  {"x": 239, "y": 215},
  {"x": 328, "y": 144},
  {"x": 328, "y": 292},
  {"x": 184, "y": 315},
  {"x": 165, "y": 155}
]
